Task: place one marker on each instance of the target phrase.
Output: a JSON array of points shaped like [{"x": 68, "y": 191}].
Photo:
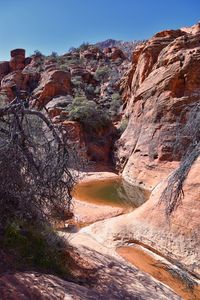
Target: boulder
[
  {"x": 92, "y": 53},
  {"x": 53, "y": 83},
  {"x": 4, "y": 68},
  {"x": 17, "y": 61},
  {"x": 24, "y": 80},
  {"x": 83, "y": 73},
  {"x": 114, "y": 53}
]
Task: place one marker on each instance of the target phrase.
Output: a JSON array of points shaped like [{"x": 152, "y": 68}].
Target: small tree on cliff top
[{"x": 34, "y": 166}]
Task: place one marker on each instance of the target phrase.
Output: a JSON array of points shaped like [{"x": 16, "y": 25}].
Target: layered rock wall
[
  {"x": 162, "y": 84},
  {"x": 163, "y": 81}
]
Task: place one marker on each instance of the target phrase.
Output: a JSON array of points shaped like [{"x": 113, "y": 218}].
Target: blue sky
[{"x": 48, "y": 25}]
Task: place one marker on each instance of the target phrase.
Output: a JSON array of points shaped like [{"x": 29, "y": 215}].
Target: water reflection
[
  {"x": 115, "y": 192},
  {"x": 134, "y": 195}
]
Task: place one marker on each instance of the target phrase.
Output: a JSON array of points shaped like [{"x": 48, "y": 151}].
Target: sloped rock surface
[
  {"x": 162, "y": 82},
  {"x": 53, "y": 83}
]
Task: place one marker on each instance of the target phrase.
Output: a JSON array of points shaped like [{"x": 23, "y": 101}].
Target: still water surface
[{"x": 114, "y": 192}]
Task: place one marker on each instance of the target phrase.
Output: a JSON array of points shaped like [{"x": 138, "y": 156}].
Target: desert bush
[
  {"x": 102, "y": 73},
  {"x": 123, "y": 126},
  {"x": 72, "y": 49},
  {"x": 115, "y": 104},
  {"x": 3, "y": 100},
  {"x": 77, "y": 81},
  {"x": 90, "y": 89},
  {"x": 116, "y": 97},
  {"x": 84, "y": 46},
  {"x": 34, "y": 162},
  {"x": 64, "y": 66},
  {"x": 33, "y": 248},
  {"x": 87, "y": 113},
  {"x": 38, "y": 53},
  {"x": 54, "y": 54}
]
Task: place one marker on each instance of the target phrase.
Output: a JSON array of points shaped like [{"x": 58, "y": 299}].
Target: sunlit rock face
[
  {"x": 163, "y": 80},
  {"x": 17, "y": 61},
  {"x": 163, "y": 83},
  {"x": 53, "y": 83}
]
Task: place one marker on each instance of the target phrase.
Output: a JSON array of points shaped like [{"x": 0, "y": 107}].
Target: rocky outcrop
[
  {"x": 17, "y": 61},
  {"x": 23, "y": 80},
  {"x": 100, "y": 144},
  {"x": 53, "y": 83},
  {"x": 115, "y": 278},
  {"x": 91, "y": 53},
  {"x": 85, "y": 75},
  {"x": 163, "y": 83},
  {"x": 176, "y": 238},
  {"x": 114, "y": 53},
  {"x": 4, "y": 68},
  {"x": 131, "y": 285},
  {"x": 35, "y": 285}
]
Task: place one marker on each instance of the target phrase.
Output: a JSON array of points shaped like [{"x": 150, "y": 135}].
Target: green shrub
[
  {"x": 90, "y": 89},
  {"x": 115, "y": 104},
  {"x": 87, "y": 113},
  {"x": 116, "y": 97},
  {"x": 54, "y": 54},
  {"x": 84, "y": 46},
  {"x": 34, "y": 249},
  {"x": 77, "y": 81},
  {"x": 3, "y": 100},
  {"x": 64, "y": 66},
  {"x": 38, "y": 53},
  {"x": 102, "y": 73},
  {"x": 97, "y": 90},
  {"x": 123, "y": 126}
]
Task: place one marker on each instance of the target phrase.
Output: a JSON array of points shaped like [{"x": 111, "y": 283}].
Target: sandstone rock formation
[
  {"x": 176, "y": 238},
  {"x": 17, "y": 61},
  {"x": 163, "y": 83},
  {"x": 53, "y": 83},
  {"x": 131, "y": 284},
  {"x": 4, "y": 68},
  {"x": 114, "y": 53},
  {"x": 23, "y": 80}
]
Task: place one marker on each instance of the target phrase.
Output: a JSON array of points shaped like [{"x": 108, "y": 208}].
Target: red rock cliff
[{"x": 163, "y": 80}]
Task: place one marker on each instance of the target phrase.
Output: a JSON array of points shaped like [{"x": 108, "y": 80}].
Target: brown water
[
  {"x": 179, "y": 281},
  {"x": 111, "y": 191}
]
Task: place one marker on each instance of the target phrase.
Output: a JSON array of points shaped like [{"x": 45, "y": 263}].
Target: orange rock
[
  {"x": 17, "y": 61},
  {"x": 53, "y": 83},
  {"x": 91, "y": 53},
  {"x": 4, "y": 68},
  {"x": 176, "y": 238},
  {"x": 23, "y": 80},
  {"x": 83, "y": 73},
  {"x": 163, "y": 80}
]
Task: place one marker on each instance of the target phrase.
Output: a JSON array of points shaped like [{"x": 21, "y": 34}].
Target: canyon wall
[
  {"x": 162, "y": 84},
  {"x": 163, "y": 81}
]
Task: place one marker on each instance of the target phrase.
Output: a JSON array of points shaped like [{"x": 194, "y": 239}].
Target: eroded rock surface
[{"x": 162, "y": 82}]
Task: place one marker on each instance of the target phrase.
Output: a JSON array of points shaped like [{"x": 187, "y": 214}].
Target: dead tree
[
  {"x": 188, "y": 144},
  {"x": 35, "y": 180}
]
